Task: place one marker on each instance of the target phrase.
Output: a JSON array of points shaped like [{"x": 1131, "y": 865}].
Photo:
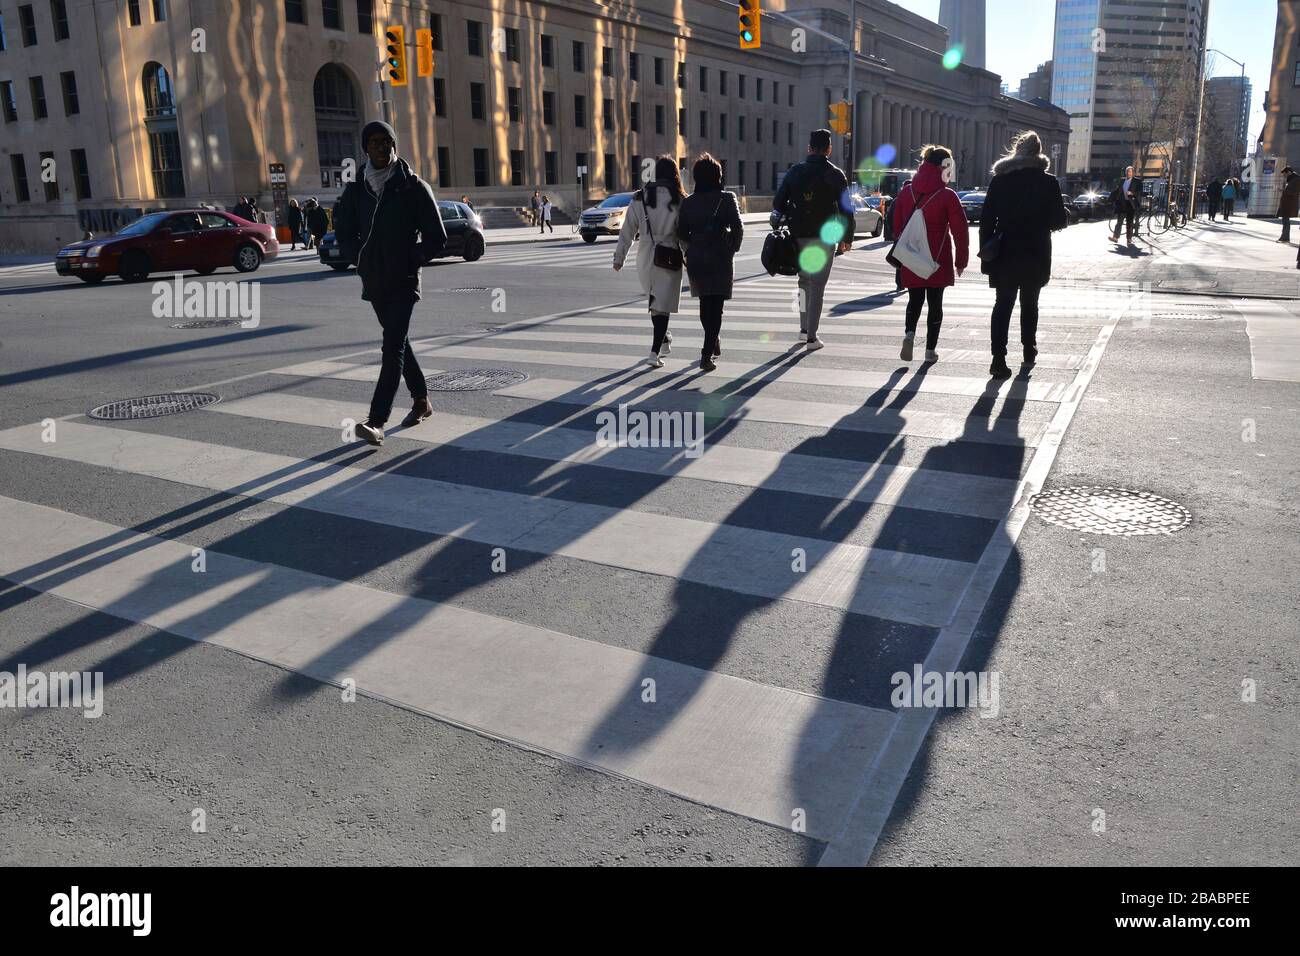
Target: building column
[
  {"x": 981, "y": 150},
  {"x": 877, "y": 103}
]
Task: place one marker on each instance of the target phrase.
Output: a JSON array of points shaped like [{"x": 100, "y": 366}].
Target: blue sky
[{"x": 1020, "y": 37}]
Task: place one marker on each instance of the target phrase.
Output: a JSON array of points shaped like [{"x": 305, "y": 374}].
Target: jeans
[
  {"x": 398, "y": 361},
  {"x": 1227, "y": 208},
  {"x": 812, "y": 287},
  {"x": 711, "y": 319},
  {"x": 1006, "y": 301},
  {"x": 1214, "y": 208},
  {"x": 1286, "y": 229},
  {"x": 933, "y": 318}
]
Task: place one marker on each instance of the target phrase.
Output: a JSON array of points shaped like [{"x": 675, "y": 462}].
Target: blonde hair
[{"x": 930, "y": 149}]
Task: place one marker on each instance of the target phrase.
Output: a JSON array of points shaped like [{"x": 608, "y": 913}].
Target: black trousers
[
  {"x": 398, "y": 361},
  {"x": 711, "y": 320},
  {"x": 660, "y": 322},
  {"x": 1006, "y": 301},
  {"x": 1126, "y": 217},
  {"x": 1214, "y": 207},
  {"x": 933, "y": 318}
]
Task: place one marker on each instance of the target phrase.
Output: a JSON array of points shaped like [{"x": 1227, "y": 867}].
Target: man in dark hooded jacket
[{"x": 388, "y": 221}]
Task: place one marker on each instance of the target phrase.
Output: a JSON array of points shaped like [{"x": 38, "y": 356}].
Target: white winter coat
[{"x": 664, "y": 288}]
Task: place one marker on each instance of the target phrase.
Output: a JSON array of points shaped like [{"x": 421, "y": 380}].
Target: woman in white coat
[{"x": 652, "y": 217}]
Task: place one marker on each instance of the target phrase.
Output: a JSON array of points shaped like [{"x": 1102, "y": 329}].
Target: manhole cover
[
  {"x": 1178, "y": 316},
  {"x": 153, "y": 406},
  {"x": 464, "y": 290},
  {"x": 475, "y": 379},
  {"x": 1120, "y": 511},
  {"x": 206, "y": 324}
]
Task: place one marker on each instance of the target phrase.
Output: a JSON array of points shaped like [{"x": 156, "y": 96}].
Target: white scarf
[{"x": 377, "y": 178}]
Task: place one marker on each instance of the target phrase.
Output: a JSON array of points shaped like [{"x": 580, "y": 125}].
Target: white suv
[{"x": 605, "y": 219}]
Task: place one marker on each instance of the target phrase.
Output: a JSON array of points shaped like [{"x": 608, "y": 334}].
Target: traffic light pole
[
  {"x": 383, "y": 90},
  {"x": 850, "y": 159}
]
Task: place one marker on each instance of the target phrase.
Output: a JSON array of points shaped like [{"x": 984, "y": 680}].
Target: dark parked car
[
  {"x": 972, "y": 203},
  {"x": 203, "y": 240},
  {"x": 464, "y": 237},
  {"x": 1092, "y": 205}
]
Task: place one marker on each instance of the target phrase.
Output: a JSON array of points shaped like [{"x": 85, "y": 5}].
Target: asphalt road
[{"x": 501, "y": 714}]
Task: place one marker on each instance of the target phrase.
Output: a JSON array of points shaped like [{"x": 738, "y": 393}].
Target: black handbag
[
  {"x": 666, "y": 257},
  {"x": 780, "y": 253}
]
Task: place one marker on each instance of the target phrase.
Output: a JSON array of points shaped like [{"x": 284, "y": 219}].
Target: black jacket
[
  {"x": 393, "y": 239},
  {"x": 243, "y": 210},
  {"x": 318, "y": 221},
  {"x": 295, "y": 218},
  {"x": 713, "y": 241},
  {"x": 1024, "y": 205},
  {"x": 1214, "y": 191},
  {"x": 812, "y": 193}
]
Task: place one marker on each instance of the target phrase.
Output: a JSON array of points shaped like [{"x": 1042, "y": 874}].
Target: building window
[
  {"x": 740, "y": 85},
  {"x": 659, "y": 71},
  {"x": 722, "y": 126},
  {"x": 607, "y": 61},
  {"x": 722, "y": 82},
  {"x": 634, "y": 117},
  {"x": 132, "y": 12},
  {"x": 158, "y": 101},
  {"x": 7, "y": 100},
  {"x": 776, "y": 132},
  {"x": 19, "y": 169},
  {"x": 776, "y": 92},
  {"x": 439, "y": 97},
  {"x": 659, "y": 119},
  {"x": 365, "y": 16},
  {"x": 580, "y": 111},
  {"x": 444, "y": 167},
  {"x": 634, "y": 66},
  {"x": 27, "y": 20},
  {"x": 474, "y": 37},
  {"x": 607, "y": 113},
  {"x": 512, "y": 104},
  {"x": 165, "y": 158},
  {"x": 789, "y": 134},
  {"x": 548, "y": 108},
  {"x": 740, "y": 128},
  {"x": 435, "y": 28},
  {"x": 579, "y": 57},
  {"x": 71, "y": 103},
  {"x": 81, "y": 174},
  {"x": 681, "y": 122},
  {"x": 338, "y": 120},
  {"x": 758, "y": 88},
  {"x": 3, "y": 45},
  {"x": 681, "y": 74},
  {"x": 704, "y": 79},
  {"x": 704, "y": 124},
  {"x": 548, "y": 50},
  {"x": 512, "y": 44},
  {"x": 480, "y": 167},
  {"x": 637, "y": 178},
  {"x": 295, "y": 11},
  {"x": 516, "y": 167},
  {"x": 1293, "y": 128},
  {"x": 552, "y": 172},
  {"x": 580, "y": 161},
  {"x": 159, "y": 11},
  {"x": 331, "y": 14},
  {"x": 59, "y": 14},
  {"x": 789, "y": 95},
  {"x": 758, "y": 129},
  {"x": 37, "y": 85},
  {"x": 51, "y": 188},
  {"x": 476, "y": 101},
  {"x": 1296, "y": 82},
  {"x": 611, "y": 173}
]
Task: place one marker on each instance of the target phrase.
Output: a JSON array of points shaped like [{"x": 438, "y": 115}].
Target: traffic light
[
  {"x": 751, "y": 16},
  {"x": 424, "y": 53},
  {"x": 396, "y": 37},
  {"x": 840, "y": 117}
]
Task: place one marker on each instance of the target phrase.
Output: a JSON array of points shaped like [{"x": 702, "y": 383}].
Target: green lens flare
[
  {"x": 813, "y": 259},
  {"x": 952, "y": 59},
  {"x": 832, "y": 232}
]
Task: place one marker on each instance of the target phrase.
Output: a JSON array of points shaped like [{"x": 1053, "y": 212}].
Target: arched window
[
  {"x": 160, "y": 124},
  {"x": 338, "y": 118}
]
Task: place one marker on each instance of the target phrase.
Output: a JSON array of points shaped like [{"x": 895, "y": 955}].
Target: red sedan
[{"x": 202, "y": 240}]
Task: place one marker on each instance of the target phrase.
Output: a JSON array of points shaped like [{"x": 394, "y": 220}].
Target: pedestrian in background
[
  {"x": 535, "y": 204},
  {"x": 1127, "y": 197},
  {"x": 1022, "y": 209},
  {"x": 814, "y": 198},
  {"x": 243, "y": 209},
  {"x": 651, "y": 220},
  {"x": 545, "y": 222},
  {"x": 318, "y": 222},
  {"x": 709, "y": 226},
  {"x": 929, "y": 196},
  {"x": 389, "y": 222},
  {"x": 295, "y": 224},
  {"x": 1288, "y": 206},
  {"x": 890, "y": 236},
  {"x": 1214, "y": 196},
  {"x": 1229, "y": 199}
]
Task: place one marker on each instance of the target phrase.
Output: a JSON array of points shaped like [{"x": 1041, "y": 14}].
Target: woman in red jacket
[{"x": 945, "y": 221}]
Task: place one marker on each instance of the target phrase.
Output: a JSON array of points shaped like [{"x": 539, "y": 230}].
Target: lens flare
[
  {"x": 869, "y": 173},
  {"x": 813, "y": 259},
  {"x": 952, "y": 59},
  {"x": 886, "y": 154},
  {"x": 832, "y": 232}
]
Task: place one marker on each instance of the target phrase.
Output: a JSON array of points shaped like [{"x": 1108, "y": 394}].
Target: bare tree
[{"x": 1155, "y": 99}]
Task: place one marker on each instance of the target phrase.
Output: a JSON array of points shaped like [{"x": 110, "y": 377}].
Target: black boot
[
  {"x": 999, "y": 367},
  {"x": 1031, "y": 354}
]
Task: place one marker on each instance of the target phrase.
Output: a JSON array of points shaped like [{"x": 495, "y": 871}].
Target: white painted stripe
[
  {"x": 1274, "y": 334},
  {"x": 973, "y": 311},
  {"x": 856, "y": 838},
  {"x": 743, "y": 747},
  {"x": 683, "y": 344},
  {"x": 885, "y": 421},
  {"x": 912, "y": 588},
  {"x": 884, "y": 485},
  {"x": 796, "y": 374}
]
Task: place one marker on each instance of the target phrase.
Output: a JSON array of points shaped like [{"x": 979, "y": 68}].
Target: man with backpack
[{"x": 814, "y": 199}]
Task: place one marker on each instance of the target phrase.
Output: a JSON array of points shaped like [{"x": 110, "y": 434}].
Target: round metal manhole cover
[
  {"x": 1118, "y": 511},
  {"x": 475, "y": 379},
  {"x": 206, "y": 324},
  {"x": 153, "y": 406}
]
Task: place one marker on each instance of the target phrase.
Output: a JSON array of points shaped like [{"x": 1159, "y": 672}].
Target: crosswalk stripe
[
  {"x": 720, "y": 740},
  {"x": 351, "y": 371},
  {"x": 977, "y": 311},
  {"x": 886, "y": 485},
  {"x": 792, "y": 374},
  {"x": 912, "y": 588},
  {"x": 670, "y": 394}
]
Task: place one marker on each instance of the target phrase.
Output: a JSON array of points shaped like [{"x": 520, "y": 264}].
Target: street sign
[
  {"x": 424, "y": 53},
  {"x": 279, "y": 192},
  {"x": 582, "y": 171},
  {"x": 840, "y": 117}
]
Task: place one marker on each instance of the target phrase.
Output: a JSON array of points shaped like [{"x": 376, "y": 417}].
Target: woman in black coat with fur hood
[{"x": 1022, "y": 209}]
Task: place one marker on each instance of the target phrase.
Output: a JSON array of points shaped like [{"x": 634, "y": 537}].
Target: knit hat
[{"x": 377, "y": 126}]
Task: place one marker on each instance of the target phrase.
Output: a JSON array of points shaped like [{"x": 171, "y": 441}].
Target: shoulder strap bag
[{"x": 666, "y": 257}]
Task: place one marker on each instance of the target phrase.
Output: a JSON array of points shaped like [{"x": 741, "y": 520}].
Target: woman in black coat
[
  {"x": 1021, "y": 210},
  {"x": 709, "y": 226}
]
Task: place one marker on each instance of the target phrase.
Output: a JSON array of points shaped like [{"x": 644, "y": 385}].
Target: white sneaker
[
  {"x": 653, "y": 360},
  {"x": 814, "y": 344},
  {"x": 369, "y": 434},
  {"x": 803, "y": 336},
  {"x": 905, "y": 353},
  {"x": 668, "y": 336},
  {"x": 931, "y": 355},
  {"x": 665, "y": 348}
]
